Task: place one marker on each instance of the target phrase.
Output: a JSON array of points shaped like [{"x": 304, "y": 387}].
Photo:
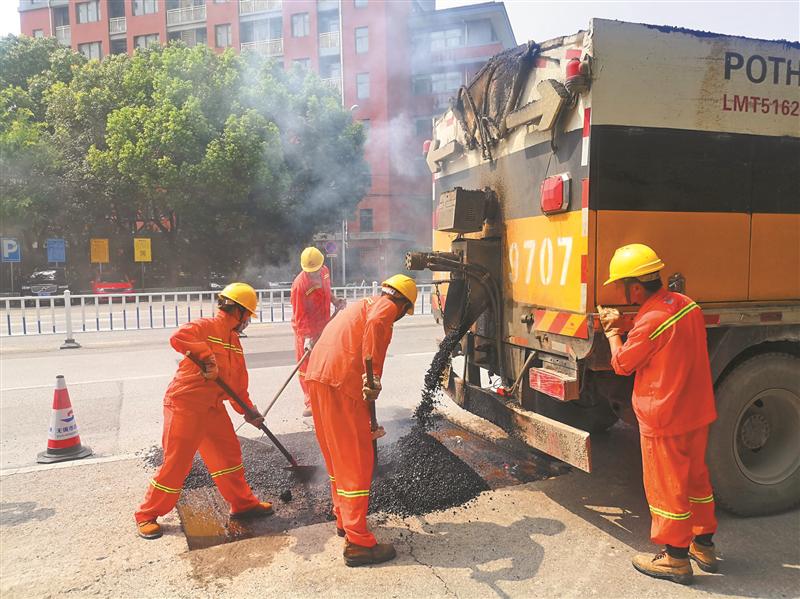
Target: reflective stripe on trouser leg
[
  {"x": 342, "y": 425},
  {"x": 222, "y": 454},
  {"x": 183, "y": 429},
  {"x": 299, "y": 341},
  {"x": 326, "y": 454},
  {"x": 701, "y": 497},
  {"x": 665, "y": 473}
]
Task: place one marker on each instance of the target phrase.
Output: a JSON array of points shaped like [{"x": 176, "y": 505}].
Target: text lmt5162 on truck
[{"x": 555, "y": 155}]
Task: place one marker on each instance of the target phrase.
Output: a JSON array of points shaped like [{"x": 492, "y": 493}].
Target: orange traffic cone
[{"x": 63, "y": 440}]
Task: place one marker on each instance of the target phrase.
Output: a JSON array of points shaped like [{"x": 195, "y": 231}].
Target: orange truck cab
[{"x": 558, "y": 153}]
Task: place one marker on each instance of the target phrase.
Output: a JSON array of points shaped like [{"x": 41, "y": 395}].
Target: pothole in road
[{"x": 420, "y": 473}]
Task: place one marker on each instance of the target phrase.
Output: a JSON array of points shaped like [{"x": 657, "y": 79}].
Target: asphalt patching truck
[{"x": 556, "y": 154}]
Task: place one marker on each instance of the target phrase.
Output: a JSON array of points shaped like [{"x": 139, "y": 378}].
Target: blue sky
[{"x": 532, "y": 19}]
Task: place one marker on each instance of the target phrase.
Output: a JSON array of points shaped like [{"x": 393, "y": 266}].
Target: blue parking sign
[
  {"x": 11, "y": 250},
  {"x": 56, "y": 250}
]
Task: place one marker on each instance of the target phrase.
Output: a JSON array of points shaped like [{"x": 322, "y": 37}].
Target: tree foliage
[{"x": 226, "y": 161}]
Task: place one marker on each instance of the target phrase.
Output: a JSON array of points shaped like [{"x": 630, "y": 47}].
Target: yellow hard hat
[
  {"x": 634, "y": 260},
  {"x": 242, "y": 294},
  {"x": 405, "y": 286},
  {"x": 311, "y": 260}
]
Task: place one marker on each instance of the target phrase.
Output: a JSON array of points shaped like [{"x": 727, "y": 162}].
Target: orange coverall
[
  {"x": 341, "y": 416},
  {"x": 311, "y": 311},
  {"x": 195, "y": 419},
  {"x": 673, "y": 398}
]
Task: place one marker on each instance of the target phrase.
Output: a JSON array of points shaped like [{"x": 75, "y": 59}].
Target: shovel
[
  {"x": 373, "y": 419},
  {"x": 253, "y": 414}
]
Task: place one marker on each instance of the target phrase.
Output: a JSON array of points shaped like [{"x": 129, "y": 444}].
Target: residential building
[{"x": 396, "y": 64}]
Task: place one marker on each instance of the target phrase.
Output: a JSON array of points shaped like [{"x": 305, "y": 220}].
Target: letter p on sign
[{"x": 11, "y": 250}]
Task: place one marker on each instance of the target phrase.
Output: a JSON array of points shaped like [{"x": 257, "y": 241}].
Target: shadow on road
[
  {"x": 12, "y": 514},
  {"x": 752, "y": 550},
  {"x": 503, "y": 553}
]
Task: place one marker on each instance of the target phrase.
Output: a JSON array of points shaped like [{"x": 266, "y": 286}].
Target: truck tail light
[
  {"x": 426, "y": 146},
  {"x": 554, "y": 384},
  {"x": 554, "y": 194}
]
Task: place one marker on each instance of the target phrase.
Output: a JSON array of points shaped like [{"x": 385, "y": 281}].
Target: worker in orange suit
[
  {"x": 311, "y": 309},
  {"x": 195, "y": 417},
  {"x": 340, "y": 399},
  {"x": 673, "y": 399}
]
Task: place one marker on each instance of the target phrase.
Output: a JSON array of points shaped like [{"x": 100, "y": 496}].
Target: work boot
[
  {"x": 340, "y": 532},
  {"x": 149, "y": 529},
  {"x": 663, "y": 566},
  {"x": 705, "y": 556},
  {"x": 264, "y": 508},
  {"x": 358, "y": 555},
  {"x": 307, "y": 413}
]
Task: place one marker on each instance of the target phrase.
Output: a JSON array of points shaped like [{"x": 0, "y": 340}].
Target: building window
[
  {"x": 360, "y": 3},
  {"x": 480, "y": 33},
  {"x": 90, "y": 50},
  {"x": 365, "y": 220},
  {"x": 446, "y": 82},
  {"x": 38, "y": 33},
  {"x": 449, "y": 38},
  {"x": 421, "y": 85},
  {"x": 300, "y": 26},
  {"x": 87, "y": 12},
  {"x": 303, "y": 63},
  {"x": 424, "y": 127},
  {"x": 143, "y": 41},
  {"x": 222, "y": 35},
  {"x": 362, "y": 40},
  {"x": 362, "y": 86},
  {"x": 145, "y": 7}
]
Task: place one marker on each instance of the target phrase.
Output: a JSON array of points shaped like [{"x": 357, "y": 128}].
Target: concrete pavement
[{"x": 69, "y": 531}]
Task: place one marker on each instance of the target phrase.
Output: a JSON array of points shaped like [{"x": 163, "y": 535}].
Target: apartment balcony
[
  {"x": 329, "y": 43},
  {"x": 117, "y": 25},
  {"x": 249, "y": 7},
  {"x": 190, "y": 14},
  {"x": 64, "y": 35},
  {"x": 272, "y": 47},
  {"x": 334, "y": 83}
]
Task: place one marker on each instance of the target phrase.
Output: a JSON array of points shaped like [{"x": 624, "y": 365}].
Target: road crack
[{"x": 409, "y": 546}]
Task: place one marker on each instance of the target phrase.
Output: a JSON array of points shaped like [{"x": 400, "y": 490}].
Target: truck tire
[{"x": 753, "y": 449}]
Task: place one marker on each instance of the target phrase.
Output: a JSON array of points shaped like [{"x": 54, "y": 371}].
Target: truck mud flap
[{"x": 568, "y": 444}]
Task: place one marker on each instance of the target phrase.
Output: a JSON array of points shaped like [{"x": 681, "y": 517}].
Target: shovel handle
[{"x": 253, "y": 414}]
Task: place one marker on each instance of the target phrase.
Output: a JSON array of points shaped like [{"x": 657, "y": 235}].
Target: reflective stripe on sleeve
[
  {"x": 709, "y": 499},
  {"x": 164, "y": 488},
  {"x": 673, "y": 319},
  {"x": 670, "y": 515},
  {"x": 227, "y": 470}
]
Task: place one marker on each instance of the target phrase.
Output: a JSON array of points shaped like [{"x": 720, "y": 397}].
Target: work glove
[
  {"x": 254, "y": 417},
  {"x": 339, "y": 303},
  {"x": 210, "y": 368},
  {"x": 609, "y": 318},
  {"x": 378, "y": 433},
  {"x": 308, "y": 343},
  {"x": 370, "y": 393}
]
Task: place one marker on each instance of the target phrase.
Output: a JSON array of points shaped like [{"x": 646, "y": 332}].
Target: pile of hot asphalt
[{"x": 416, "y": 475}]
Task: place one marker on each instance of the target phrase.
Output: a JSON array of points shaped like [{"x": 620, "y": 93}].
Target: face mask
[{"x": 243, "y": 324}]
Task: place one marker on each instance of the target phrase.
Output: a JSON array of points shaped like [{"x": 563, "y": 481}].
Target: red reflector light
[
  {"x": 558, "y": 386},
  {"x": 554, "y": 193},
  {"x": 426, "y": 146},
  {"x": 771, "y": 316}
]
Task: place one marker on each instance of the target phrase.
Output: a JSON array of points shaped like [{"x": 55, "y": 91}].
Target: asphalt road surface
[{"x": 68, "y": 530}]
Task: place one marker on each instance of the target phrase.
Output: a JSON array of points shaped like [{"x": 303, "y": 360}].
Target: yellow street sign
[
  {"x": 98, "y": 251},
  {"x": 141, "y": 250}
]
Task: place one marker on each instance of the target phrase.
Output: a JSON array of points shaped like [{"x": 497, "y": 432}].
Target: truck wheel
[{"x": 753, "y": 449}]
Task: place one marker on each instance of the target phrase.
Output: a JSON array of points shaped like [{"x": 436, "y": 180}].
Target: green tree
[{"x": 231, "y": 160}]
